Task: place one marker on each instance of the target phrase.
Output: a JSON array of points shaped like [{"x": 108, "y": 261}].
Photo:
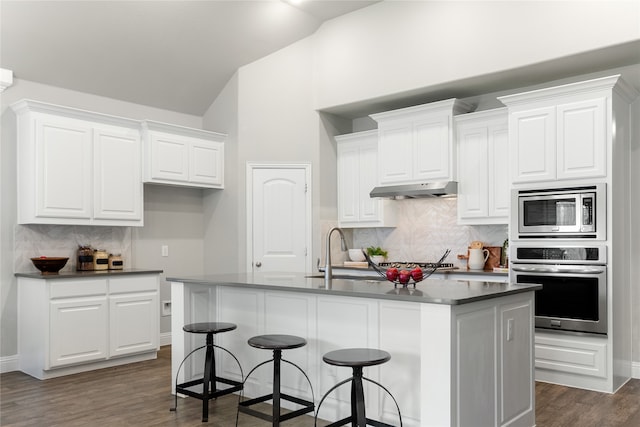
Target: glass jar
[
  {"x": 85, "y": 258},
  {"x": 115, "y": 262},
  {"x": 100, "y": 259}
]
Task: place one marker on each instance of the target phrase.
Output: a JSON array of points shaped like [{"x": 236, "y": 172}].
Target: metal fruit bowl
[
  {"x": 49, "y": 264},
  {"x": 426, "y": 272}
]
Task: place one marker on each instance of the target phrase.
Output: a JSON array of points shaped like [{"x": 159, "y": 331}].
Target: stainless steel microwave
[{"x": 575, "y": 212}]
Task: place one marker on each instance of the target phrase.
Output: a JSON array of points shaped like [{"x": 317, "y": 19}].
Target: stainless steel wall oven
[{"x": 574, "y": 280}]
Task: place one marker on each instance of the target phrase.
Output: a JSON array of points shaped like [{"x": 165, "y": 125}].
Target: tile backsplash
[
  {"x": 426, "y": 228},
  {"x": 63, "y": 240}
]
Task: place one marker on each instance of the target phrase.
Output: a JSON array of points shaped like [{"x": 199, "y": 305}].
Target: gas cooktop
[{"x": 407, "y": 265}]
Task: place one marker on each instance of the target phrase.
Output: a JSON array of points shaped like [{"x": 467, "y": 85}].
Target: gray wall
[{"x": 224, "y": 237}]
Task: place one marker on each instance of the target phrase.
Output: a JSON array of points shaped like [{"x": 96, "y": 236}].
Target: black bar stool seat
[
  {"x": 356, "y": 359},
  {"x": 277, "y": 343},
  {"x": 210, "y": 379}
]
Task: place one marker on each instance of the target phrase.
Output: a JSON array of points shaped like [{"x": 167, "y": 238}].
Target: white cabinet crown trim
[
  {"x": 603, "y": 83},
  {"x": 183, "y": 130},
  {"x": 29, "y": 105},
  {"x": 456, "y": 105},
  {"x": 494, "y": 114}
]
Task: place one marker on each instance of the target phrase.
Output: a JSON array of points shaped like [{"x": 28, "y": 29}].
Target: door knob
[{"x": 258, "y": 264}]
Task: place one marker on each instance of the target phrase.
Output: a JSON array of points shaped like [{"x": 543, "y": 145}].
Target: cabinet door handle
[{"x": 258, "y": 264}]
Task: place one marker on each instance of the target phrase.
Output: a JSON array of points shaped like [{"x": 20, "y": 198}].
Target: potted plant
[{"x": 377, "y": 254}]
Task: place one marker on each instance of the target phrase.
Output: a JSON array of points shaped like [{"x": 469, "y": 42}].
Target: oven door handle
[{"x": 558, "y": 269}]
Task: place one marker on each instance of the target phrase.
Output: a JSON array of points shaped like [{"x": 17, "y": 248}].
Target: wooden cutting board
[
  {"x": 358, "y": 264},
  {"x": 495, "y": 253}
]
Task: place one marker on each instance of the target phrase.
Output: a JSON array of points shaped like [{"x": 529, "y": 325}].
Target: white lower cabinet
[
  {"x": 77, "y": 330},
  {"x": 578, "y": 360},
  {"x": 133, "y": 315},
  {"x": 73, "y": 325}
]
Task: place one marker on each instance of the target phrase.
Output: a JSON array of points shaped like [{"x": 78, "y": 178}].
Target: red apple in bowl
[
  {"x": 404, "y": 276},
  {"x": 416, "y": 274},
  {"x": 392, "y": 274}
]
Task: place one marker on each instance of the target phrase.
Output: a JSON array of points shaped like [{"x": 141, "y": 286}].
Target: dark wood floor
[{"x": 139, "y": 395}]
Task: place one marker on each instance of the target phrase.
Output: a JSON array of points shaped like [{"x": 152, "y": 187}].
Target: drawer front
[
  {"x": 133, "y": 283},
  {"x": 575, "y": 356},
  {"x": 77, "y": 288}
]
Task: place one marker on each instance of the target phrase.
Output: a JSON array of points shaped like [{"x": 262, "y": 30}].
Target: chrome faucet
[{"x": 328, "y": 273}]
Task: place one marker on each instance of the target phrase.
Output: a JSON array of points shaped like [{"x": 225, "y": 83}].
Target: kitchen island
[{"x": 461, "y": 351}]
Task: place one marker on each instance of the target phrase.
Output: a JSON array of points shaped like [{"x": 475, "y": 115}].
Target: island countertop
[{"x": 432, "y": 291}]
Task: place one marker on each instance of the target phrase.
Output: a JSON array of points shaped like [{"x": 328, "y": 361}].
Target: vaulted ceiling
[{"x": 175, "y": 55}]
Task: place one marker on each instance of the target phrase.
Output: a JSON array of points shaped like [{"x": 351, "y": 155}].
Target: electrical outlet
[
  {"x": 165, "y": 250},
  {"x": 166, "y": 308},
  {"x": 509, "y": 329}
]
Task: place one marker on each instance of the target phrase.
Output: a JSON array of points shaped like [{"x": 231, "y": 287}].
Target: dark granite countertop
[
  {"x": 432, "y": 290},
  {"x": 340, "y": 269},
  {"x": 85, "y": 274}
]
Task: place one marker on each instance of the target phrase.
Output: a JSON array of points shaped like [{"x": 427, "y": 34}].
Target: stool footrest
[
  {"x": 235, "y": 386},
  {"x": 351, "y": 419},
  {"x": 244, "y": 407}
]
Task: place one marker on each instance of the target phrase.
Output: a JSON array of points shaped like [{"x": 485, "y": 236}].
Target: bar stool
[
  {"x": 277, "y": 343},
  {"x": 357, "y": 358},
  {"x": 208, "y": 381}
]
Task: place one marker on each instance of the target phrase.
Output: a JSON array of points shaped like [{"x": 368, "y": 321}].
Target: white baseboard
[
  {"x": 8, "y": 363},
  {"x": 165, "y": 338},
  {"x": 635, "y": 370}
]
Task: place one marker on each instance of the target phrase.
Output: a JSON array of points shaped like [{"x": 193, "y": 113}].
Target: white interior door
[{"x": 279, "y": 218}]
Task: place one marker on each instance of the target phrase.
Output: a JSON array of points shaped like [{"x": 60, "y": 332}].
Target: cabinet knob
[{"x": 258, "y": 264}]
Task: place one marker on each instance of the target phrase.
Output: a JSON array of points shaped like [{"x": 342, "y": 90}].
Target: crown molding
[{"x": 6, "y": 79}]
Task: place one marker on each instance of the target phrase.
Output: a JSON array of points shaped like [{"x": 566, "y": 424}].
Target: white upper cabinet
[
  {"x": 483, "y": 167},
  {"x": 582, "y": 138},
  {"x": 77, "y": 167},
  {"x": 117, "y": 174},
  {"x": 416, "y": 144},
  {"x": 357, "y": 176},
  {"x": 561, "y": 133},
  {"x": 177, "y": 155}
]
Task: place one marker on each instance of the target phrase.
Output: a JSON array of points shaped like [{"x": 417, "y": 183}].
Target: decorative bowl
[
  {"x": 409, "y": 279},
  {"x": 356, "y": 255},
  {"x": 49, "y": 264}
]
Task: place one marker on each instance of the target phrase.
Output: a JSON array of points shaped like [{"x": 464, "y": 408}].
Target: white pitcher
[{"x": 477, "y": 258}]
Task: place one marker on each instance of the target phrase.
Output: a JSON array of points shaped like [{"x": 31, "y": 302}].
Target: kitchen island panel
[
  {"x": 279, "y": 310},
  {"x": 476, "y": 367},
  {"x": 343, "y": 322},
  {"x": 244, "y": 308},
  {"x": 517, "y": 361},
  {"x": 443, "y": 353},
  {"x": 400, "y": 336}
]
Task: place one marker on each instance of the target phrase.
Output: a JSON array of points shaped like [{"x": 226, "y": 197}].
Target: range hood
[{"x": 414, "y": 191}]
